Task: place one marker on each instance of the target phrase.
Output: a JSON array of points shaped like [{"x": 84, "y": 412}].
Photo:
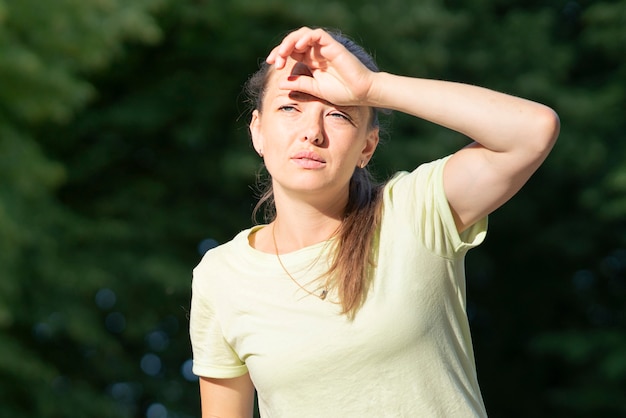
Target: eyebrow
[{"x": 298, "y": 95}]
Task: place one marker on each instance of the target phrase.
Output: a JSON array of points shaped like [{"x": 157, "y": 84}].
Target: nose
[
  {"x": 313, "y": 130},
  {"x": 314, "y": 139}
]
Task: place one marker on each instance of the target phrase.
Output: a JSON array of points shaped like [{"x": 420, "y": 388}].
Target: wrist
[{"x": 375, "y": 95}]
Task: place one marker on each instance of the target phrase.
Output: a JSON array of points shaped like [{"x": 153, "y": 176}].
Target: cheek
[
  {"x": 355, "y": 149},
  {"x": 276, "y": 135},
  {"x": 274, "y": 152}
]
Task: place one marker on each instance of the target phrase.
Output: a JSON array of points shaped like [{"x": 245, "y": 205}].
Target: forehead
[{"x": 291, "y": 68}]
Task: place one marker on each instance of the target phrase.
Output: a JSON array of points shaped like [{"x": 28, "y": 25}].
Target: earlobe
[
  {"x": 371, "y": 142},
  {"x": 255, "y": 133}
]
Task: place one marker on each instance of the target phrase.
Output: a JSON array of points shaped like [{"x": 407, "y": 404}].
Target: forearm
[{"x": 497, "y": 121}]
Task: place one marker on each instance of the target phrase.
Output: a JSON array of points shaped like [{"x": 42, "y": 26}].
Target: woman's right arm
[{"x": 227, "y": 398}]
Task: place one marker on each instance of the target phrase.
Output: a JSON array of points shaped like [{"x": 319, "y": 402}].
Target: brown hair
[{"x": 350, "y": 271}]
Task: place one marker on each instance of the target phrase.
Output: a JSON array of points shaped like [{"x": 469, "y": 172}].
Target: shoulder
[
  {"x": 424, "y": 183},
  {"x": 416, "y": 201},
  {"x": 223, "y": 253},
  {"x": 424, "y": 173}
]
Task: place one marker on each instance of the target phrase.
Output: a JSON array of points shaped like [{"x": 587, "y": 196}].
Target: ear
[
  {"x": 371, "y": 142},
  {"x": 255, "y": 131}
]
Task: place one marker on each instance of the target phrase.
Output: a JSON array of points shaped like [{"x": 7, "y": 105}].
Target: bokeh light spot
[
  {"x": 122, "y": 392},
  {"x": 206, "y": 244},
  {"x": 105, "y": 299},
  {"x": 42, "y": 331},
  {"x": 186, "y": 371},
  {"x": 156, "y": 410},
  {"x": 157, "y": 340},
  {"x": 583, "y": 280},
  {"x": 151, "y": 364}
]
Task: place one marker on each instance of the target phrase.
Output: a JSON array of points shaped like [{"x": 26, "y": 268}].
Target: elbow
[
  {"x": 551, "y": 127},
  {"x": 547, "y": 127}
]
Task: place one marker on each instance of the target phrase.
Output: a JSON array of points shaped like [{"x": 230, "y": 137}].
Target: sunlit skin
[
  {"x": 512, "y": 135},
  {"x": 313, "y": 140},
  {"x": 311, "y": 148}
]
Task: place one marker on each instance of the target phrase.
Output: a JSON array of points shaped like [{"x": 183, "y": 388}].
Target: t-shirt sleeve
[
  {"x": 212, "y": 355},
  {"x": 420, "y": 196}
]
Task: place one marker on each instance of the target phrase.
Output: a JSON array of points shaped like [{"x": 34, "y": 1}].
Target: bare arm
[
  {"x": 512, "y": 136},
  {"x": 227, "y": 398}
]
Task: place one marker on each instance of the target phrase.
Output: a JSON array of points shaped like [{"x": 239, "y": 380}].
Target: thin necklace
[{"x": 324, "y": 291}]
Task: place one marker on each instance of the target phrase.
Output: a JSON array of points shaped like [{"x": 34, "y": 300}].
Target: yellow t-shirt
[{"x": 408, "y": 352}]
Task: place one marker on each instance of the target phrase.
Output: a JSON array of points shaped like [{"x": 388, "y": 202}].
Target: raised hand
[{"x": 334, "y": 74}]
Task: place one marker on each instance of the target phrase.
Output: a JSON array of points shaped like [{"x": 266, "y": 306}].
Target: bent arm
[
  {"x": 512, "y": 137},
  {"x": 227, "y": 398}
]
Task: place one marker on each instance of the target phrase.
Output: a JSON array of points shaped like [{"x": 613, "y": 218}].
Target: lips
[
  {"x": 308, "y": 159},
  {"x": 308, "y": 155}
]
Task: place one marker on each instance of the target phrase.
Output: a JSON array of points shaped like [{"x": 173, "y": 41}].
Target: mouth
[{"x": 308, "y": 159}]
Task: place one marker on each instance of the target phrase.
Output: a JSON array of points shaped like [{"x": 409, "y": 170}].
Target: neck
[{"x": 299, "y": 223}]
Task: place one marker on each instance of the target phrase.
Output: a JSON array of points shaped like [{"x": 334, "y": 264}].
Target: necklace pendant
[{"x": 324, "y": 292}]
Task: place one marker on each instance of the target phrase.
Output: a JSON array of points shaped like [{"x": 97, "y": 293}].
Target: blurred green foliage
[{"x": 124, "y": 153}]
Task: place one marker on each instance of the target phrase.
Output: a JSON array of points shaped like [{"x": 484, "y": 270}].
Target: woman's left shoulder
[{"x": 423, "y": 174}]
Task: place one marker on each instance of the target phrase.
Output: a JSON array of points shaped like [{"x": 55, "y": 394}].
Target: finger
[
  {"x": 278, "y": 56},
  {"x": 297, "y": 45},
  {"x": 285, "y": 47},
  {"x": 271, "y": 57},
  {"x": 311, "y": 39},
  {"x": 301, "y": 83}
]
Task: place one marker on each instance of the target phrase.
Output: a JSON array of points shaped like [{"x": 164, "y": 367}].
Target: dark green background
[{"x": 124, "y": 152}]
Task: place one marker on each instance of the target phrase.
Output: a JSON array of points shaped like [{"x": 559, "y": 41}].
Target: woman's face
[{"x": 309, "y": 145}]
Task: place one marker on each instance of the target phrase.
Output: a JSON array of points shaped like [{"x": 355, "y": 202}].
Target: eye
[
  {"x": 287, "y": 108},
  {"x": 341, "y": 116}
]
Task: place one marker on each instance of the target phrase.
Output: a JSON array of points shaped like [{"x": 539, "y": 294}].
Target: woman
[{"x": 350, "y": 302}]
